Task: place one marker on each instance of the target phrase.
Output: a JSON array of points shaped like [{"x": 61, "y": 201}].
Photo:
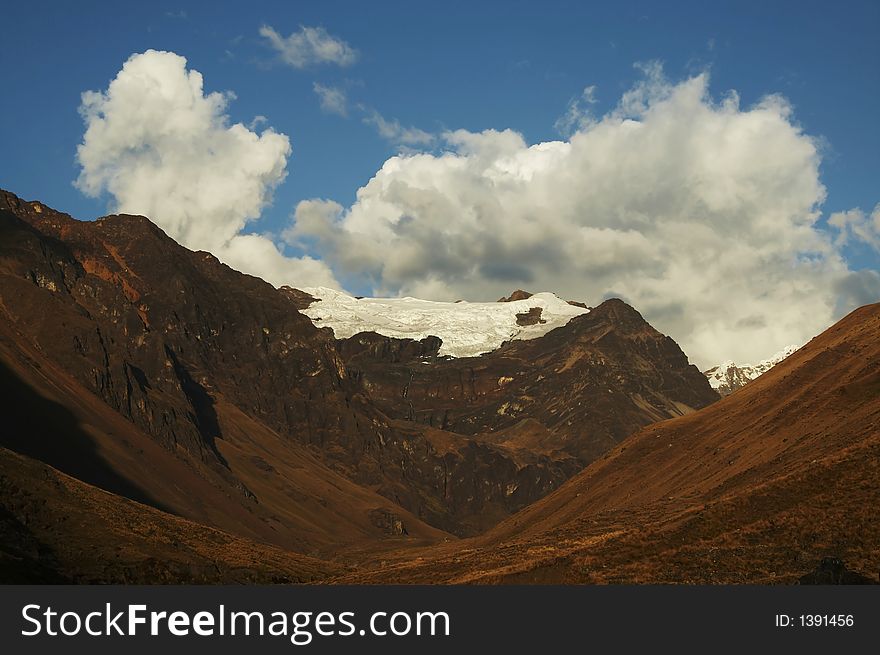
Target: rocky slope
[{"x": 575, "y": 392}]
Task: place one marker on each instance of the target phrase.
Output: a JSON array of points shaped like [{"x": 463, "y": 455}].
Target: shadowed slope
[
  {"x": 63, "y": 530},
  {"x": 40, "y": 428}
]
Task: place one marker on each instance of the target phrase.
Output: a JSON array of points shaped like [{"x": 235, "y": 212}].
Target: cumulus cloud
[
  {"x": 856, "y": 225},
  {"x": 393, "y": 131},
  {"x": 699, "y": 212},
  {"x": 309, "y": 46},
  {"x": 333, "y": 99},
  {"x": 162, "y": 147}
]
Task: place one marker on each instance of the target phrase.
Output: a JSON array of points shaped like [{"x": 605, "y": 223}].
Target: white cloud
[
  {"x": 856, "y": 225},
  {"x": 333, "y": 99},
  {"x": 258, "y": 255},
  {"x": 308, "y": 46},
  {"x": 163, "y": 148},
  {"x": 393, "y": 131},
  {"x": 700, "y": 213},
  {"x": 578, "y": 114}
]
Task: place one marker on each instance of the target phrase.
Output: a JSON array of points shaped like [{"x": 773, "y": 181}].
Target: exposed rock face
[
  {"x": 201, "y": 358},
  {"x": 301, "y": 300},
  {"x": 519, "y": 294},
  {"x": 388, "y": 521},
  {"x": 575, "y": 392},
  {"x": 531, "y": 317},
  {"x": 382, "y": 348}
]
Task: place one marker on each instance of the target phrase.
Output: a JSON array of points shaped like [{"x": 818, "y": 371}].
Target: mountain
[
  {"x": 728, "y": 377},
  {"x": 160, "y": 375},
  {"x": 761, "y": 487},
  {"x": 143, "y": 368},
  {"x": 573, "y": 393}
]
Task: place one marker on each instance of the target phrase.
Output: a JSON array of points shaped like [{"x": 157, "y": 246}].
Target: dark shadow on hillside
[
  {"x": 23, "y": 558},
  {"x": 204, "y": 414},
  {"x": 40, "y": 428}
]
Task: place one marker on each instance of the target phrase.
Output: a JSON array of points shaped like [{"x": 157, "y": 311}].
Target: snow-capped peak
[
  {"x": 728, "y": 377},
  {"x": 467, "y": 329}
]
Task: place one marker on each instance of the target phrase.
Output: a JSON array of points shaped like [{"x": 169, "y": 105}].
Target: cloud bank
[
  {"x": 163, "y": 148},
  {"x": 699, "y": 212},
  {"x": 309, "y": 46}
]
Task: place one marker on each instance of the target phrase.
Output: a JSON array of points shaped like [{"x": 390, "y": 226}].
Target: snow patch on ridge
[
  {"x": 728, "y": 376},
  {"x": 467, "y": 329}
]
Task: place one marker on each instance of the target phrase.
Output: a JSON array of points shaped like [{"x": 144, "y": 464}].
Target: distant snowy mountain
[
  {"x": 728, "y": 377},
  {"x": 467, "y": 329}
]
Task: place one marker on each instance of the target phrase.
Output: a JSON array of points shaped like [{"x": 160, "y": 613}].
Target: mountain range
[
  {"x": 729, "y": 376},
  {"x": 169, "y": 419}
]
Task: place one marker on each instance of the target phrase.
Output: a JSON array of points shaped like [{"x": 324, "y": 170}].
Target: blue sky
[
  {"x": 472, "y": 65},
  {"x": 439, "y": 67}
]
